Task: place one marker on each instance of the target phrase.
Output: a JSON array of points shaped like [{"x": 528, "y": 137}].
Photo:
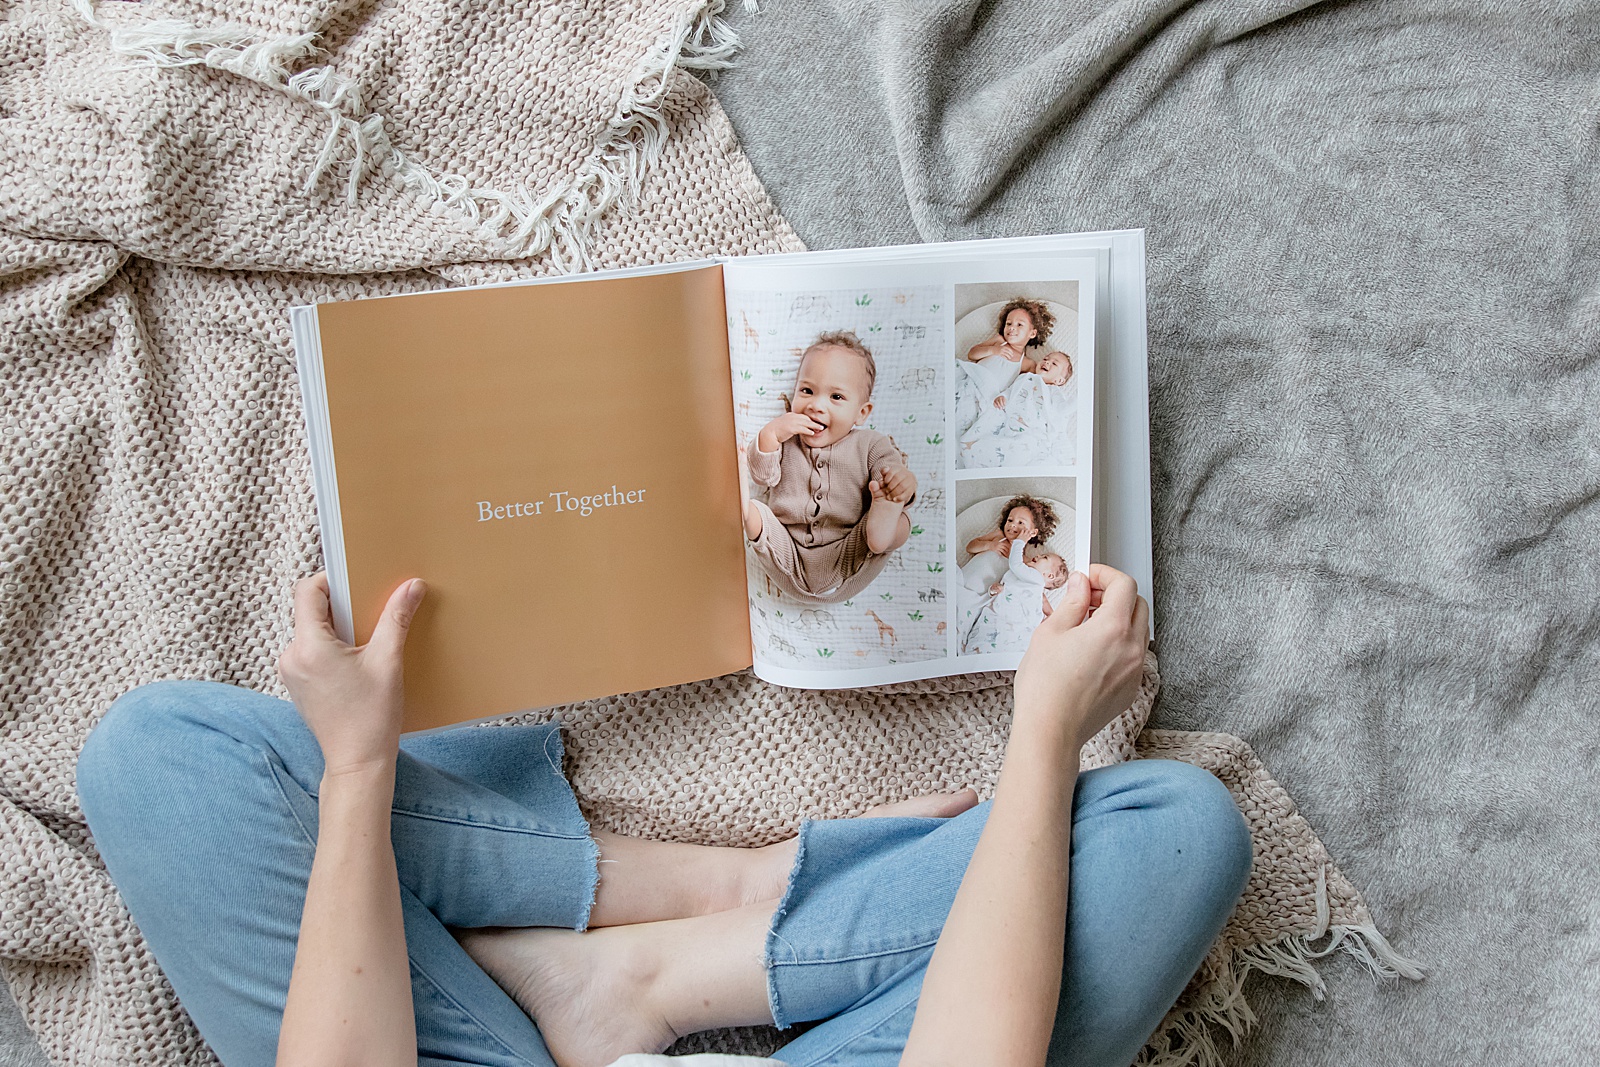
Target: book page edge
[{"x": 307, "y": 338}]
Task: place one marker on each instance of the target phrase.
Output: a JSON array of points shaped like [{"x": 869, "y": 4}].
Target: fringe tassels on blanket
[
  {"x": 1215, "y": 1000},
  {"x": 524, "y": 223}
]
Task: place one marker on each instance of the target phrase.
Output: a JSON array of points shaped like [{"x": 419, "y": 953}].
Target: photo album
[{"x": 839, "y": 469}]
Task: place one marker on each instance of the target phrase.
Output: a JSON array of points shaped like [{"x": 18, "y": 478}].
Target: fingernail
[{"x": 418, "y": 587}]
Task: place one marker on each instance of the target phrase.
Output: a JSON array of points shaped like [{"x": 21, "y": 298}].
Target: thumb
[
  {"x": 1074, "y": 607},
  {"x": 389, "y": 637}
]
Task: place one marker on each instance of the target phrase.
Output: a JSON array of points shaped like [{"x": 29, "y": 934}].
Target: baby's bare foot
[{"x": 589, "y": 993}]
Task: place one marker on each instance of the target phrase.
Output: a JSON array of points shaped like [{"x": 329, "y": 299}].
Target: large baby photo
[
  {"x": 1014, "y": 545},
  {"x": 839, "y": 400},
  {"x": 1016, "y": 381}
]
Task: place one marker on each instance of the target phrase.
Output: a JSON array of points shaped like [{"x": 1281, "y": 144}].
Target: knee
[
  {"x": 159, "y": 736},
  {"x": 128, "y": 743},
  {"x": 1191, "y": 817},
  {"x": 1207, "y": 819},
  {"x": 132, "y": 729}
]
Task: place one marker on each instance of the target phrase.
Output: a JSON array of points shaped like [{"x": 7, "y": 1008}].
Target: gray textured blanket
[{"x": 1374, "y": 327}]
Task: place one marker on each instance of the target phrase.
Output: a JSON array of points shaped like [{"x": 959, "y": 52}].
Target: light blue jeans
[{"x": 202, "y": 799}]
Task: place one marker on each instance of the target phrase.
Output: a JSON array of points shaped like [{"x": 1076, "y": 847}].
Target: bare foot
[
  {"x": 933, "y": 806},
  {"x": 603, "y": 994},
  {"x": 589, "y": 993}
]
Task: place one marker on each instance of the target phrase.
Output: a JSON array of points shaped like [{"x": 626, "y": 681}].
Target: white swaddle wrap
[
  {"x": 1037, "y": 427},
  {"x": 982, "y": 571},
  {"x": 1005, "y": 623},
  {"x": 977, "y": 384}
]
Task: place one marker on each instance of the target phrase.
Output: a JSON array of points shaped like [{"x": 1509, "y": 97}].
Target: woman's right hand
[
  {"x": 351, "y": 697},
  {"x": 1083, "y": 666}
]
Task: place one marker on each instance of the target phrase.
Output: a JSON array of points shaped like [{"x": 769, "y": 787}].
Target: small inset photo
[
  {"x": 839, "y": 408},
  {"x": 1016, "y": 381},
  {"x": 1014, "y": 546}
]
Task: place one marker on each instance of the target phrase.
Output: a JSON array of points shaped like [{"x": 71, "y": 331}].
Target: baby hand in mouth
[{"x": 794, "y": 424}]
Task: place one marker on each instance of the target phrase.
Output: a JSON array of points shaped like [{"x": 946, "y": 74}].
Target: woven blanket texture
[{"x": 174, "y": 176}]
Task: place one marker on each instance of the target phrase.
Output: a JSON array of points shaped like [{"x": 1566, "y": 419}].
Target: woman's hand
[
  {"x": 351, "y": 698},
  {"x": 349, "y": 999},
  {"x": 1083, "y": 666}
]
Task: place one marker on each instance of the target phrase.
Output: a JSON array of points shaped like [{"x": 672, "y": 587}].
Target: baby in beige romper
[{"x": 836, "y": 492}]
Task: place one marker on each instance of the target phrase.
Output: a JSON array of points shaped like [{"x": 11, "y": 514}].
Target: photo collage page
[{"x": 915, "y": 450}]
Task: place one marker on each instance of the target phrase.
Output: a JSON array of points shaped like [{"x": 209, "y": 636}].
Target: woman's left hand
[{"x": 351, "y": 697}]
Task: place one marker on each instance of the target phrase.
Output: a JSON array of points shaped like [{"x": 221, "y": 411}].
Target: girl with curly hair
[
  {"x": 1022, "y": 324},
  {"x": 991, "y": 366},
  {"x": 1026, "y": 517}
]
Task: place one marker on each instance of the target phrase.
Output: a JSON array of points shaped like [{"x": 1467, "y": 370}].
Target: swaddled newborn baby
[
  {"x": 1033, "y": 422},
  {"x": 1017, "y": 603},
  {"x": 1053, "y": 369}
]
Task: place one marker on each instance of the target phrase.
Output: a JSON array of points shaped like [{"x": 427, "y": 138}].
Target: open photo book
[{"x": 839, "y": 468}]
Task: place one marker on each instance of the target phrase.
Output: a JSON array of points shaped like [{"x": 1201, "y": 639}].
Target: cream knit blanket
[{"x": 172, "y": 177}]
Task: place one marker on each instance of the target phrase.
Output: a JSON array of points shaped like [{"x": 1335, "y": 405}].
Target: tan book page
[{"x": 558, "y": 462}]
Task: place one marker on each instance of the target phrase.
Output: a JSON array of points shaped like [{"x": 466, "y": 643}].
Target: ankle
[
  {"x": 638, "y": 962},
  {"x": 768, "y": 876}
]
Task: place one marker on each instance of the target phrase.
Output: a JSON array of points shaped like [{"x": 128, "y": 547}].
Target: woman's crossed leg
[
  {"x": 202, "y": 799},
  {"x": 1160, "y": 855}
]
